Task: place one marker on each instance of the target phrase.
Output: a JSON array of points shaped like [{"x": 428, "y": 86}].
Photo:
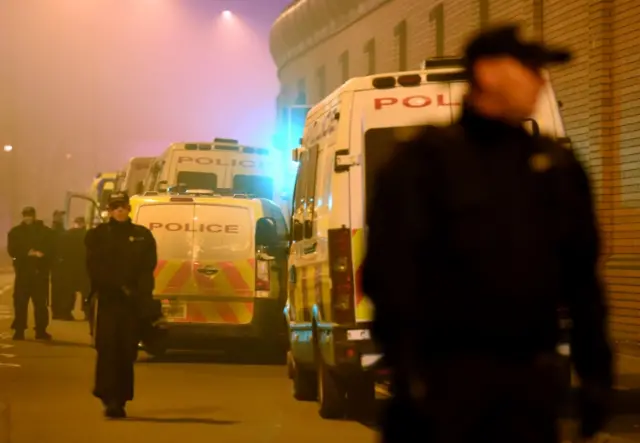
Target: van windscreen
[
  {"x": 379, "y": 144},
  {"x": 256, "y": 185},
  {"x": 198, "y": 180}
]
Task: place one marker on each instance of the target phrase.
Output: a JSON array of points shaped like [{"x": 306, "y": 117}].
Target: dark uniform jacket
[
  {"x": 24, "y": 237},
  {"x": 73, "y": 251},
  {"x": 121, "y": 258},
  {"x": 74, "y": 256},
  {"x": 477, "y": 233}
]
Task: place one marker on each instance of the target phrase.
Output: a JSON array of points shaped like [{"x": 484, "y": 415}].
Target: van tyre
[
  {"x": 331, "y": 394},
  {"x": 305, "y": 387},
  {"x": 361, "y": 397}
]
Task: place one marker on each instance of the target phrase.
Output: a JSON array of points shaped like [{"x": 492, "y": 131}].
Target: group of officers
[
  {"x": 46, "y": 258},
  {"x": 112, "y": 266}
]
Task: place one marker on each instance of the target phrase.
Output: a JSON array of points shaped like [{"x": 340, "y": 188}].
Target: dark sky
[{"x": 87, "y": 84}]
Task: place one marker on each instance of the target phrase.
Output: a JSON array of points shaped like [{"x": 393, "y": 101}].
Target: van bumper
[
  {"x": 267, "y": 324},
  {"x": 349, "y": 349}
]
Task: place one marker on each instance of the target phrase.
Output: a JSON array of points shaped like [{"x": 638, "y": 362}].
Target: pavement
[{"x": 45, "y": 396}]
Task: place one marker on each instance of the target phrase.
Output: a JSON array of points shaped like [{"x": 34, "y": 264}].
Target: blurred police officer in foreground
[
  {"x": 121, "y": 258},
  {"x": 59, "y": 287},
  {"x": 477, "y": 233},
  {"x": 30, "y": 246},
  {"x": 73, "y": 254}
]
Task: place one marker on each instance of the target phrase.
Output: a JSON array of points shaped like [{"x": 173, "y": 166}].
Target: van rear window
[
  {"x": 256, "y": 185},
  {"x": 198, "y": 180},
  {"x": 379, "y": 144}
]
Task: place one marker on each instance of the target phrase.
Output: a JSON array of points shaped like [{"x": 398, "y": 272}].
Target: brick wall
[{"x": 599, "y": 91}]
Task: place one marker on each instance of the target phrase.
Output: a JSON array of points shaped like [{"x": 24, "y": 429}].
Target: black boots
[
  {"x": 43, "y": 335},
  {"x": 115, "y": 410}
]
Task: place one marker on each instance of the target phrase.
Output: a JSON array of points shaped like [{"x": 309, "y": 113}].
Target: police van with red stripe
[
  {"x": 348, "y": 136},
  {"x": 221, "y": 270}
]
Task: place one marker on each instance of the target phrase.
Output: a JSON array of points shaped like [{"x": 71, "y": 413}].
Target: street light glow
[
  {"x": 227, "y": 14},
  {"x": 8, "y": 148}
]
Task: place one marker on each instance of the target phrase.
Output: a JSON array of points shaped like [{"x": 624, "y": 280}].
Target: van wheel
[
  {"x": 305, "y": 387},
  {"x": 331, "y": 393},
  {"x": 361, "y": 396}
]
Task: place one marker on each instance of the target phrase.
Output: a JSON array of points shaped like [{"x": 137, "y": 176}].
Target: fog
[{"x": 87, "y": 84}]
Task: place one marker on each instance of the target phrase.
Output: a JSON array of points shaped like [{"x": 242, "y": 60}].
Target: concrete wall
[{"x": 600, "y": 90}]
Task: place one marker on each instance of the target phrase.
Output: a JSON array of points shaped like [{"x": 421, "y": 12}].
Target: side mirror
[
  {"x": 266, "y": 232},
  {"x": 162, "y": 186},
  {"x": 297, "y": 230}
]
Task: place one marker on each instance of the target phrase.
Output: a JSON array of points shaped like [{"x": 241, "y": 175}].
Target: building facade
[{"x": 319, "y": 44}]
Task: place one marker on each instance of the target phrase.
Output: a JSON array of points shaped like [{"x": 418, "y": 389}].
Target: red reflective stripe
[
  {"x": 227, "y": 314},
  {"x": 249, "y": 307},
  {"x": 234, "y": 276},
  {"x": 359, "y": 292},
  {"x": 194, "y": 313},
  {"x": 181, "y": 277},
  {"x": 161, "y": 264},
  {"x": 252, "y": 262}
]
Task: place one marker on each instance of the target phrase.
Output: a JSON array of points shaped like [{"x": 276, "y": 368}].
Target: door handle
[{"x": 208, "y": 270}]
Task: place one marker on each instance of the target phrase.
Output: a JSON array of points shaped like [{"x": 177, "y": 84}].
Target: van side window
[
  {"x": 310, "y": 191},
  {"x": 301, "y": 185}
]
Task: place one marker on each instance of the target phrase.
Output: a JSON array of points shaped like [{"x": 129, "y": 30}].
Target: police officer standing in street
[
  {"x": 30, "y": 246},
  {"x": 121, "y": 258},
  {"x": 74, "y": 268},
  {"x": 478, "y": 232}
]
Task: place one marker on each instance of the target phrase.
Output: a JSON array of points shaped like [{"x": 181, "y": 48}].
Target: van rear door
[
  {"x": 172, "y": 227},
  {"x": 387, "y": 116},
  {"x": 224, "y": 263}
]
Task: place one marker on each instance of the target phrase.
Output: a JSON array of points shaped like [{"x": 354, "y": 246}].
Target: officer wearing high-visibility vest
[{"x": 121, "y": 258}]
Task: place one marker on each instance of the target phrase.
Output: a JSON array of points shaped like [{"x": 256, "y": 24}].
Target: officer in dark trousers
[
  {"x": 478, "y": 232},
  {"x": 121, "y": 258},
  {"x": 30, "y": 245},
  {"x": 59, "y": 287},
  {"x": 73, "y": 254}
]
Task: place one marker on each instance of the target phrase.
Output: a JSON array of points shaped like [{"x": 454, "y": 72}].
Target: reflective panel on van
[
  {"x": 224, "y": 265},
  {"x": 172, "y": 226}
]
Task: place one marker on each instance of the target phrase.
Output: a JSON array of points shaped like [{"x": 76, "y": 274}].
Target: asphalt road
[
  {"x": 195, "y": 398},
  {"x": 45, "y": 397}
]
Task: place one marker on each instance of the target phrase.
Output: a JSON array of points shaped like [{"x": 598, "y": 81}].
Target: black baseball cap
[
  {"x": 116, "y": 198},
  {"x": 505, "y": 41},
  {"x": 29, "y": 211}
]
